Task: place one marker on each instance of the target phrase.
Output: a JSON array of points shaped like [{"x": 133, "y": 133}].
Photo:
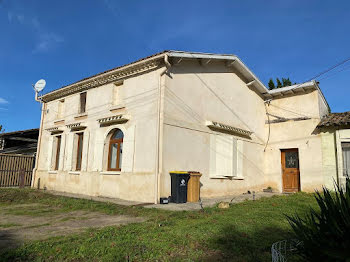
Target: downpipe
[{"x": 159, "y": 164}]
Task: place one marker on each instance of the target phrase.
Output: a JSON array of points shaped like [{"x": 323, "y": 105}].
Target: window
[
  {"x": 226, "y": 156},
  {"x": 57, "y": 152},
  {"x": 80, "y": 139},
  {"x": 346, "y": 158},
  {"x": 82, "y": 107},
  {"x": 115, "y": 152}
]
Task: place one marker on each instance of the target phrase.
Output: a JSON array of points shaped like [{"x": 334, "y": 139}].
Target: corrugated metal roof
[{"x": 20, "y": 132}]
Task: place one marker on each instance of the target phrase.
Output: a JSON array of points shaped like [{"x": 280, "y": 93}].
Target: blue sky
[{"x": 64, "y": 41}]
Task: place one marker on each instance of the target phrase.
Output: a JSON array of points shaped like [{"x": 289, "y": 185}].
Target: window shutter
[
  {"x": 128, "y": 150},
  {"x": 82, "y": 102},
  {"x": 50, "y": 153},
  {"x": 239, "y": 159},
  {"x": 224, "y": 156}
]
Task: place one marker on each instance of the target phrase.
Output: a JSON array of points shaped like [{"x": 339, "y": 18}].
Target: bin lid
[
  {"x": 179, "y": 172},
  {"x": 194, "y": 173}
]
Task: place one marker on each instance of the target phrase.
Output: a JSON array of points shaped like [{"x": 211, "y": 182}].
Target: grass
[
  {"x": 244, "y": 232},
  {"x": 7, "y": 225}
]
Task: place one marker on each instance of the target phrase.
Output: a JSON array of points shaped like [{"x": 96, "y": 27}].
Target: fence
[{"x": 16, "y": 170}]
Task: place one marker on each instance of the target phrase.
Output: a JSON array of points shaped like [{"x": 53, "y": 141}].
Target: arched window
[{"x": 115, "y": 152}]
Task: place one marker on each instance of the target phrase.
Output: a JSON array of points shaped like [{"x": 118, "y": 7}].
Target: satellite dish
[{"x": 40, "y": 85}]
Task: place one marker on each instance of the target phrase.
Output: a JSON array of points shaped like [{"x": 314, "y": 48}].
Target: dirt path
[{"x": 17, "y": 225}]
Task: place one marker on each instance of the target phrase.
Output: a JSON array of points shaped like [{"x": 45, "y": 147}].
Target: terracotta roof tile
[{"x": 335, "y": 119}]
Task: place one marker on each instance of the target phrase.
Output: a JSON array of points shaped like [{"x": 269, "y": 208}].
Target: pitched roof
[
  {"x": 151, "y": 63},
  {"x": 157, "y": 60},
  {"x": 21, "y": 132},
  {"x": 335, "y": 120}
]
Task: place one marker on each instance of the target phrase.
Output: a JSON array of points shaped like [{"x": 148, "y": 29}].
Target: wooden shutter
[{"x": 82, "y": 102}]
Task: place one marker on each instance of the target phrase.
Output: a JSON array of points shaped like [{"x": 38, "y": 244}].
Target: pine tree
[
  {"x": 286, "y": 82},
  {"x": 271, "y": 84},
  {"x": 279, "y": 84},
  {"x": 289, "y": 83}
]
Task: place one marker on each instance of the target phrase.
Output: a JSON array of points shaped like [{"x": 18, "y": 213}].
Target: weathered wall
[
  {"x": 195, "y": 93},
  {"x": 136, "y": 181},
  {"x": 329, "y": 158},
  {"x": 295, "y": 134}
]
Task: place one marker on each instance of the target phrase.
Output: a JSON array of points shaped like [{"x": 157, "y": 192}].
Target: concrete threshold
[{"x": 210, "y": 202}]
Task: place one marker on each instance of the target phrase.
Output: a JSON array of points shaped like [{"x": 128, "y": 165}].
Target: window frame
[
  {"x": 112, "y": 142},
  {"x": 345, "y": 146},
  {"x": 79, "y": 152}
]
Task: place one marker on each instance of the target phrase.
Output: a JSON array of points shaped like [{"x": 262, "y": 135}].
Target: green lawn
[{"x": 244, "y": 232}]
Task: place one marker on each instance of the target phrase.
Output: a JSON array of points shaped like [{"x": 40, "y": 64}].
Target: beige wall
[
  {"x": 191, "y": 94},
  {"x": 196, "y": 93},
  {"x": 329, "y": 158},
  {"x": 295, "y": 134},
  {"x": 136, "y": 181}
]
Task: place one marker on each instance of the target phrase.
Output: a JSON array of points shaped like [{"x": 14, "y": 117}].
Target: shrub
[{"x": 325, "y": 233}]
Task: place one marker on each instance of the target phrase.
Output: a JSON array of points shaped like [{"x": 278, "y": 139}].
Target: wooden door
[{"x": 290, "y": 170}]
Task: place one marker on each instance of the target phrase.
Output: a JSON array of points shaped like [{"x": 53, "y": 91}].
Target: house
[
  {"x": 22, "y": 142},
  {"x": 335, "y": 133},
  {"x": 119, "y": 133}
]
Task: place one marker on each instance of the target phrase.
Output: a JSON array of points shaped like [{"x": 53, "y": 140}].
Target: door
[{"x": 290, "y": 170}]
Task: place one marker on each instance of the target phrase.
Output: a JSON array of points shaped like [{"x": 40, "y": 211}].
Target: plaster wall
[
  {"x": 298, "y": 134},
  {"x": 195, "y": 93},
  {"x": 329, "y": 158},
  {"x": 136, "y": 179}
]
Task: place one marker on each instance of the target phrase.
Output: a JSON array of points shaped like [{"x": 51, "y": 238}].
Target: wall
[
  {"x": 194, "y": 93},
  {"x": 136, "y": 180},
  {"x": 295, "y": 134},
  {"x": 329, "y": 157}
]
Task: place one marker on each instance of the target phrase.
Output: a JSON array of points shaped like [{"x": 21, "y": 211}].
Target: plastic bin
[
  {"x": 179, "y": 181},
  {"x": 193, "y": 188}
]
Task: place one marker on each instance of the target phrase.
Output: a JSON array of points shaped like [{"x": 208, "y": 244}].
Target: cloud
[
  {"x": 46, "y": 40},
  {"x": 3, "y": 101}
]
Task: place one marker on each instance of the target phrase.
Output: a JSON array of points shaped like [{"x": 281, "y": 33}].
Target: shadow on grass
[
  {"x": 8, "y": 242},
  {"x": 235, "y": 245}
]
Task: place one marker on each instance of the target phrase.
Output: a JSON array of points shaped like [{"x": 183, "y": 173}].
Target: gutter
[{"x": 159, "y": 138}]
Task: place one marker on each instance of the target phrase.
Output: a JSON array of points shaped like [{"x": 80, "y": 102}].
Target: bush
[{"x": 325, "y": 233}]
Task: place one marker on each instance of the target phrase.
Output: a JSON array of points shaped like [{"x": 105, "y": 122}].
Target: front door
[{"x": 290, "y": 170}]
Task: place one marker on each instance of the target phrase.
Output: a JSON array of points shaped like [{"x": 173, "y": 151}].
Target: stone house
[{"x": 119, "y": 133}]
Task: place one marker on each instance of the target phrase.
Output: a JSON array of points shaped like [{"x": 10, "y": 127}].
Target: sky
[{"x": 65, "y": 41}]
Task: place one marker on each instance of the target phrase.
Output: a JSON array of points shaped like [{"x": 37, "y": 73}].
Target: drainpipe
[
  {"x": 159, "y": 164},
  {"x": 43, "y": 106}
]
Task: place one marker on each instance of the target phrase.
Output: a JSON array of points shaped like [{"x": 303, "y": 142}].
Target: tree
[
  {"x": 271, "y": 84},
  {"x": 286, "y": 82},
  {"x": 1, "y": 130},
  {"x": 279, "y": 84}
]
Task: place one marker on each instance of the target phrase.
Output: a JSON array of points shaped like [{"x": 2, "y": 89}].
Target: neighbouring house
[
  {"x": 335, "y": 133},
  {"x": 119, "y": 133},
  {"x": 22, "y": 142}
]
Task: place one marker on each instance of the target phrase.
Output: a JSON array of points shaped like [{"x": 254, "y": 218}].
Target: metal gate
[{"x": 16, "y": 170}]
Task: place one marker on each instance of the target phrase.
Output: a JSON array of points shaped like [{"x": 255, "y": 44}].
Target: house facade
[
  {"x": 119, "y": 133},
  {"x": 335, "y": 133}
]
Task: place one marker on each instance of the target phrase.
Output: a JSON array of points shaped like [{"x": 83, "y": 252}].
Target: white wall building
[{"x": 119, "y": 133}]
